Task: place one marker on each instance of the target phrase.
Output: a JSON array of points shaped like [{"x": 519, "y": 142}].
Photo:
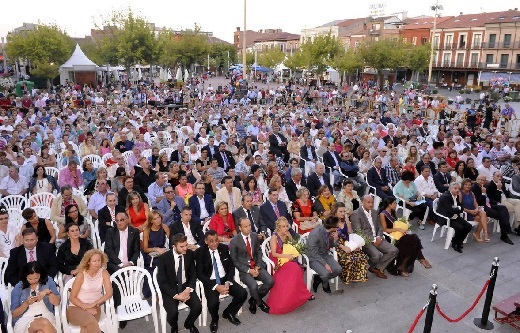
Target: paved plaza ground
[{"x": 391, "y": 305}]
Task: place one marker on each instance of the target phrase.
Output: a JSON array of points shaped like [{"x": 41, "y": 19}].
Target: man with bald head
[{"x": 381, "y": 253}]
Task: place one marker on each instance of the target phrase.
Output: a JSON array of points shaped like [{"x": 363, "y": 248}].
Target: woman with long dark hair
[
  {"x": 41, "y": 182},
  {"x": 408, "y": 244},
  {"x": 71, "y": 251}
]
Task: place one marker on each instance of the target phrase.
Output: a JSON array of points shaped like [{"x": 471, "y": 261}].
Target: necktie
[
  {"x": 179, "y": 274},
  {"x": 31, "y": 256},
  {"x": 276, "y": 211},
  {"x": 445, "y": 178},
  {"x": 250, "y": 217},
  {"x": 124, "y": 248},
  {"x": 215, "y": 268},
  {"x": 226, "y": 162},
  {"x": 251, "y": 261},
  {"x": 112, "y": 214}
]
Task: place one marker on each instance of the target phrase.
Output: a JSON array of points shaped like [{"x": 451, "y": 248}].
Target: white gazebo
[{"x": 79, "y": 69}]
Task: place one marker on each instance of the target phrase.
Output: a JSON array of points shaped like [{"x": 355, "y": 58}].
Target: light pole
[
  {"x": 3, "y": 55},
  {"x": 435, "y": 8},
  {"x": 244, "y": 67}
]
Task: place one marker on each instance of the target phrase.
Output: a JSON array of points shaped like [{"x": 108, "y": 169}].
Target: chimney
[
  {"x": 238, "y": 28},
  {"x": 516, "y": 9},
  {"x": 461, "y": 13}
]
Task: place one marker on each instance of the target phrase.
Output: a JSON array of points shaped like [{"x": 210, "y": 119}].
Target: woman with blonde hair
[
  {"x": 276, "y": 182},
  {"x": 137, "y": 210},
  {"x": 155, "y": 237},
  {"x": 222, "y": 222},
  {"x": 86, "y": 295},
  {"x": 304, "y": 214},
  {"x": 289, "y": 291}
]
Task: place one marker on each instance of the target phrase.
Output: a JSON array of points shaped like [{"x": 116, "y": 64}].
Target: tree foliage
[
  {"x": 321, "y": 51},
  {"x": 417, "y": 58},
  {"x": 271, "y": 57},
  {"x": 347, "y": 61},
  {"x": 298, "y": 60},
  {"x": 219, "y": 53},
  {"x": 46, "y": 48},
  {"x": 382, "y": 54},
  {"x": 182, "y": 49}
]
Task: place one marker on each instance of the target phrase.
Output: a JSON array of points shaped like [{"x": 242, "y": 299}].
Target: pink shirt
[
  {"x": 67, "y": 178},
  {"x": 91, "y": 288}
]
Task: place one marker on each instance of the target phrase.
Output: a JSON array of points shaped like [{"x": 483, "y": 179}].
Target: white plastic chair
[
  {"x": 450, "y": 231},
  {"x": 182, "y": 306},
  {"x": 105, "y": 157},
  {"x": 129, "y": 281},
  {"x": 52, "y": 171},
  {"x": 43, "y": 212},
  {"x": 266, "y": 250},
  {"x": 14, "y": 201},
  {"x": 205, "y": 227},
  {"x": 94, "y": 234},
  {"x": 310, "y": 272},
  {"x": 168, "y": 152},
  {"x": 105, "y": 323},
  {"x": 80, "y": 194},
  {"x": 127, "y": 154},
  {"x": 41, "y": 199},
  {"x": 3, "y": 288},
  {"x": 146, "y": 153},
  {"x": 15, "y": 217},
  {"x": 96, "y": 160}
]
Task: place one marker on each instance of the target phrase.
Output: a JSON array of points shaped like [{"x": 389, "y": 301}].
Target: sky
[{"x": 223, "y": 17}]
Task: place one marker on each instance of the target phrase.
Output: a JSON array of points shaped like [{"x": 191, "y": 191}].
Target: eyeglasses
[{"x": 168, "y": 192}]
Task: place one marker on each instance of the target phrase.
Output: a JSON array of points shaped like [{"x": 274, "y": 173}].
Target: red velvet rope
[
  {"x": 468, "y": 310},
  {"x": 419, "y": 315}
]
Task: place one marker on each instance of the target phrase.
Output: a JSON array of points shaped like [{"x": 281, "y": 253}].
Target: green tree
[
  {"x": 417, "y": 59},
  {"x": 271, "y": 58},
  {"x": 382, "y": 54},
  {"x": 320, "y": 52},
  {"x": 223, "y": 54},
  {"x": 296, "y": 61},
  {"x": 183, "y": 49},
  {"x": 250, "y": 58},
  {"x": 348, "y": 61},
  {"x": 46, "y": 47}
]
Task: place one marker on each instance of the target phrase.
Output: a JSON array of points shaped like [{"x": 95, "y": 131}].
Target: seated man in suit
[
  {"x": 224, "y": 157},
  {"x": 497, "y": 196},
  {"x": 320, "y": 240},
  {"x": 246, "y": 254},
  {"x": 295, "y": 183},
  {"x": 216, "y": 271},
  {"x": 380, "y": 252},
  {"x": 331, "y": 159},
  {"x": 228, "y": 193},
  {"x": 308, "y": 154},
  {"x": 442, "y": 179},
  {"x": 376, "y": 177},
  {"x": 122, "y": 249},
  {"x": 189, "y": 227},
  {"x": 30, "y": 250},
  {"x": 278, "y": 143},
  {"x": 107, "y": 215},
  {"x": 176, "y": 277},
  {"x": 318, "y": 179},
  {"x": 450, "y": 207},
  {"x": 248, "y": 210},
  {"x": 170, "y": 206},
  {"x": 271, "y": 210},
  {"x": 201, "y": 204}
]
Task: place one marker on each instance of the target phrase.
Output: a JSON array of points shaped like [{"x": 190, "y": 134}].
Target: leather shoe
[
  {"x": 517, "y": 231},
  {"x": 457, "y": 248},
  {"x": 327, "y": 289},
  {"x": 193, "y": 329},
  {"x": 232, "y": 319},
  {"x": 174, "y": 330},
  {"x": 264, "y": 307},
  {"x": 316, "y": 283},
  {"x": 122, "y": 324},
  {"x": 252, "y": 306},
  {"x": 506, "y": 239},
  {"x": 213, "y": 327},
  {"x": 378, "y": 273}
]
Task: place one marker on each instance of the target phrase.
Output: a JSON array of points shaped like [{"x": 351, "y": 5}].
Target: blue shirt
[
  {"x": 19, "y": 295},
  {"x": 155, "y": 191}
]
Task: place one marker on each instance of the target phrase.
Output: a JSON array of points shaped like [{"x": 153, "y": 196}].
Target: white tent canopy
[{"x": 78, "y": 62}]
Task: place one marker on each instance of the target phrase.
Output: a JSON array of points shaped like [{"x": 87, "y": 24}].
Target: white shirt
[
  {"x": 221, "y": 271},
  {"x": 425, "y": 186},
  {"x": 123, "y": 238},
  {"x": 7, "y": 240},
  {"x": 488, "y": 172},
  {"x": 188, "y": 234},
  {"x": 203, "y": 211},
  {"x": 176, "y": 258},
  {"x": 510, "y": 150},
  {"x": 369, "y": 218},
  {"x": 12, "y": 186}
]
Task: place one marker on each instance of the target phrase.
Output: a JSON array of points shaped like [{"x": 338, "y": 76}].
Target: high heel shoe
[
  {"x": 478, "y": 239},
  {"x": 486, "y": 237}
]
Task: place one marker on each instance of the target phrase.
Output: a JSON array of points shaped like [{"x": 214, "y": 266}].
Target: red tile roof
[
  {"x": 479, "y": 20},
  {"x": 423, "y": 23},
  {"x": 279, "y": 36}
]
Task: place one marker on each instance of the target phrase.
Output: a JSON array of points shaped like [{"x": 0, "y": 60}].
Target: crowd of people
[{"x": 196, "y": 192}]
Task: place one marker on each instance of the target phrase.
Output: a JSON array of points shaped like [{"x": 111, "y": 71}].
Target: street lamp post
[
  {"x": 3, "y": 55},
  {"x": 244, "y": 67},
  {"x": 435, "y": 8}
]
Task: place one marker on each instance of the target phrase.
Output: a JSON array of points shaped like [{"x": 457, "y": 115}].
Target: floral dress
[{"x": 354, "y": 265}]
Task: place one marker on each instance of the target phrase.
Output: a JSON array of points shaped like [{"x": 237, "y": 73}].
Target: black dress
[
  {"x": 41, "y": 231},
  {"x": 409, "y": 246},
  {"x": 68, "y": 261}
]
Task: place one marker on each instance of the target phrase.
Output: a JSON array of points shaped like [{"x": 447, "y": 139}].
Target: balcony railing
[
  {"x": 501, "y": 45},
  {"x": 475, "y": 65}
]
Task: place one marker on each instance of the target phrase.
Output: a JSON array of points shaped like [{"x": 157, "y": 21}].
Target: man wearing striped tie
[{"x": 271, "y": 210}]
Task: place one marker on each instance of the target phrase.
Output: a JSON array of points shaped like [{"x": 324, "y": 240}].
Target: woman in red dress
[
  {"x": 137, "y": 210},
  {"x": 304, "y": 214},
  {"x": 289, "y": 291},
  {"x": 222, "y": 222}
]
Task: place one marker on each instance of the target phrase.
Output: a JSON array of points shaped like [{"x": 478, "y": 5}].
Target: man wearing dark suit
[
  {"x": 294, "y": 184},
  {"x": 271, "y": 210},
  {"x": 308, "y": 154},
  {"x": 380, "y": 252},
  {"x": 331, "y": 159},
  {"x": 450, "y": 207},
  {"x": 224, "y": 157},
  {"x": 201, "y": 204},
  {"x": 176, "y": 155},
  {"x": 216, "y": 271},
  {"x": 128, "y": 186},
  {"x": 493, "y": 210},
  {"x": 318, "y": 179},
  {"x": 211, "y": 147},
  {"x": 376, "y": 177},
  {"x": 188, "y": 224},
  {"x": 278, "y": 143},
  {"x": 442, "y": 179},
  {"x": 176, "y": 277},
  {"x": 250, "y": 212},
  {"x": 107, "y": 215},
  {"x": 320, "y": 240},
  {"x": 426, "y": 160},
  {"x": 30, "y": 250},
  {"x": 246, "y": 253}
]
